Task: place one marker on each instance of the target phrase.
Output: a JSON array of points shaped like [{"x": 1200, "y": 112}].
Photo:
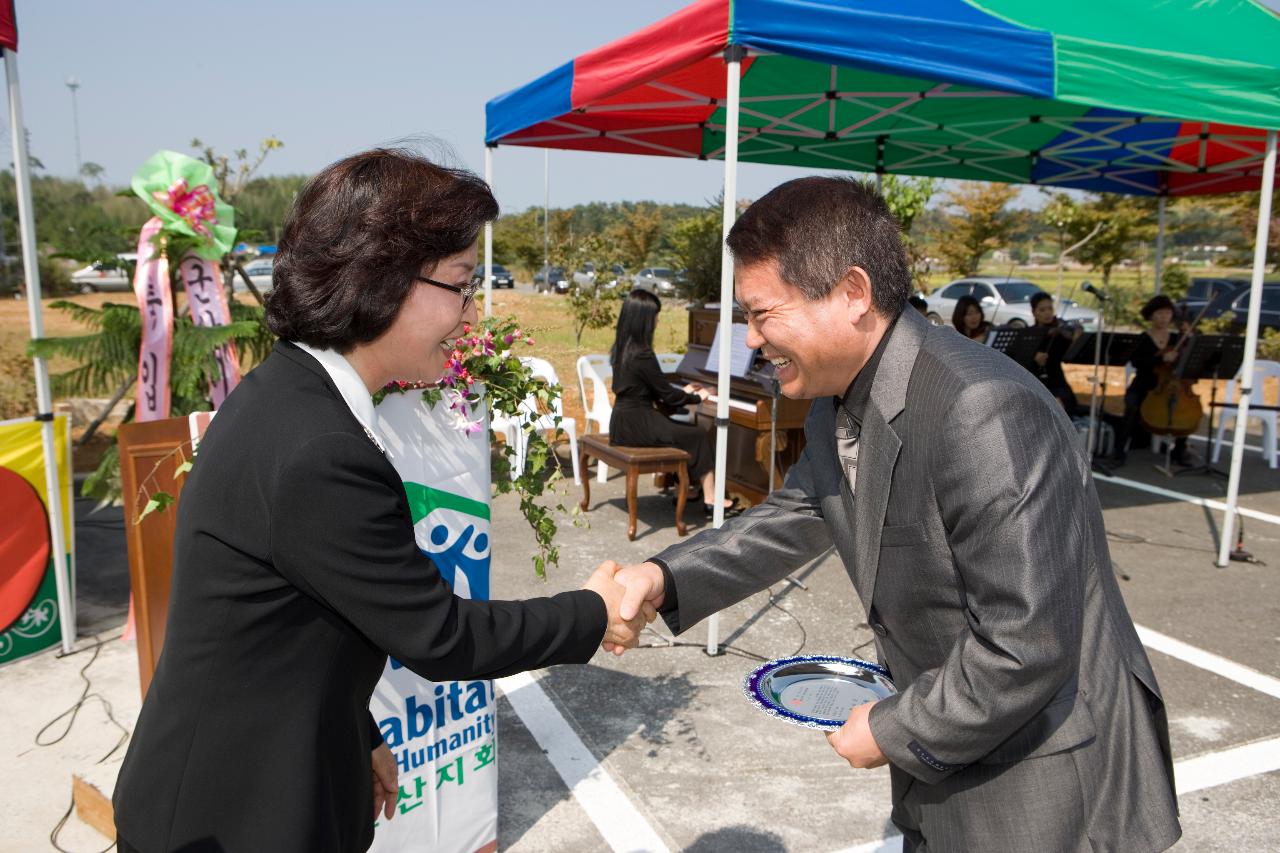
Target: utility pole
[{"x": 73, "y": 84}]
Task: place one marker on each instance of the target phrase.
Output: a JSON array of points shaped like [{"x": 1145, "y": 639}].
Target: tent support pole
[
  {"x": 488, "y": 237},
  {"x": 1250, "y": 348},
  {"x": 44, "y": 397},
  {"x": 1159, "y": 270},
  {"x": 733, "y": 65}
]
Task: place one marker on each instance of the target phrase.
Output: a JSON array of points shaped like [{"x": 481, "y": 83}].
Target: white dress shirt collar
[{"x": 351, "y": 387}]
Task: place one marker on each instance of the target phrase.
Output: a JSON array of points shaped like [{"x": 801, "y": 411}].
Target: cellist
[{"x": 1157, "y": 347}]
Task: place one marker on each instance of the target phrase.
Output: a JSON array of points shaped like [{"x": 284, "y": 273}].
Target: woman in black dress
[
  {"x": 969, "y": 319},
  {"x": 1057, "y": 340},
  {"x": 640, "y": 386},
  {"x": 1156, "y": 348}
]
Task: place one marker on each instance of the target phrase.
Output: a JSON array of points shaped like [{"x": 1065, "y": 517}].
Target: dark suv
[{"x": 1221, "y": 295}]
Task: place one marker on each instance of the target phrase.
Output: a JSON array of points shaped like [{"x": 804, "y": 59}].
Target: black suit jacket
[{"x": 295, "y": 574}]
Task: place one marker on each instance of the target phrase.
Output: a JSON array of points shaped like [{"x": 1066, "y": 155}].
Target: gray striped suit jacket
[{"x": 1028, "y": 716}]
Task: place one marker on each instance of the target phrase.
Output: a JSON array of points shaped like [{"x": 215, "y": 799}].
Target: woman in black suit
[
  {"x": 641, "y": 389},
  {"x": 296, "y": 571}
]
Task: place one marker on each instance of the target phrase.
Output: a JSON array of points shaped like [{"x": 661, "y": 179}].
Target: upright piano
[{"x": 751, "y": 402}]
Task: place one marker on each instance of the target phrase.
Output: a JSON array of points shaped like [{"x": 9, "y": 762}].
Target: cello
[{"x": 1172, "y": 407}]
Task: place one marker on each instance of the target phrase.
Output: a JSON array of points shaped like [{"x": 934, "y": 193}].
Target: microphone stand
[{"x": 1094, "y": 403}]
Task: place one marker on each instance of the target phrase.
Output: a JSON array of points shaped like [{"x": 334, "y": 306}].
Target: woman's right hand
[{"x": 695, "y": 388}]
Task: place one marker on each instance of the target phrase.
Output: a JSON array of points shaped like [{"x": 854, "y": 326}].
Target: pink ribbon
[
  {"x": 155, "y": 302},
  {"x": 208, "y": 303},
  {"x": 193, "y": 206}
]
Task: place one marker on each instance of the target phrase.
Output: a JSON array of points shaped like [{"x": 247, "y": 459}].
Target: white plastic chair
[
  {"x": 596, "y": 371},
  {"x": 1261, "y": 371},
  {"x": 514, "y": 429}
]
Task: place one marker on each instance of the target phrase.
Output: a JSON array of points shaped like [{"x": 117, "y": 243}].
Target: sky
[{"x": 330, "y": 79}]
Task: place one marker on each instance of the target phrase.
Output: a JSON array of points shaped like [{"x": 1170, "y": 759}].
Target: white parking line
[
  {"x": 624, "y": 829},
  {"x": 1191, "y": 775},
  {"x": 1229, "y": 765},
  {"x": 1208, "y": 660},
  {"x": 1191, "y": 499}
]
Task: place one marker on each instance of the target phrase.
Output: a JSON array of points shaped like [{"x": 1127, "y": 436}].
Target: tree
[
  {"x": 589, "y": 307},
  {"x": 638, "y": 234},
  {"x": 980, "y": 226},
  {"x": 92, "y": 171},
  {"x": 1120, "y": 220},
  {"x": 907, "y": 198}
]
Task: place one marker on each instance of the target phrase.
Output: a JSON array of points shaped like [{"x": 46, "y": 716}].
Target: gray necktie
[{"x": 847, "y": 431}]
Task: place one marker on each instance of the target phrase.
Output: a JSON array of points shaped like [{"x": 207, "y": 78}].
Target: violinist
[
  {"x": 969, "y": 319},
  {"x": 1048, "y": 359},
  {"x": 1158, "y": 347}
]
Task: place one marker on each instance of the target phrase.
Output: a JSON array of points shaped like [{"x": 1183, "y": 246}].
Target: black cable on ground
[{"x": 70, "y": 716}]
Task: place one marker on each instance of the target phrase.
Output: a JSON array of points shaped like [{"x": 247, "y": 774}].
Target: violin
[{"x": 1172, "y": 407}]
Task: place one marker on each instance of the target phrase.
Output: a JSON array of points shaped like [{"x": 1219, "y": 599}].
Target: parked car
[
  {"x": 106, "y": 275},
  {"x": 551, "y": 280},
  {"x": 1223, "y": 295},
  {"x": 1005, "y": 302},
  {"x": 502, "y": 276},
  {"x": 260, "y": 271},
  {"x": 661, "y": 281},
  {"x": 588, "y": 277}
]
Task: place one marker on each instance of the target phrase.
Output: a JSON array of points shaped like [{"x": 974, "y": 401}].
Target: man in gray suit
[{"x": 953, "y": 488}]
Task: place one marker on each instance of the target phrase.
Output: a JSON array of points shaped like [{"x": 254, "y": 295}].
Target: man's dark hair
[
  {"x": 637, "y": 321},
  {"x": 359, "y": 234},
  {"x": 817, "y": 229},
  {"x": 918, "y": 303},
  {"x": 1037, "y": 298}
]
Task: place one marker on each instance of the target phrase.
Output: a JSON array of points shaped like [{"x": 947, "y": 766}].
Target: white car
[
  {"x": 101, "y": 276},
  {"x": 259, "y": 270},
  {"x": 1005, "y": 302}
]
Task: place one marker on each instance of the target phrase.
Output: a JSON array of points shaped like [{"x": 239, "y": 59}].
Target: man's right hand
[
  {"x": 643, "y": 594},
  {"x": 623, "y": 631}
]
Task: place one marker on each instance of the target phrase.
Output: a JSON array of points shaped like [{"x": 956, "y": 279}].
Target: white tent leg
[
  {"x": 1160, "y": 242},
  {"x": 44, "y": 398},
  {"x": 1250, "y": 347},
  {"x": 733, "y": 65},
  {"x": 488, "y": 237}
]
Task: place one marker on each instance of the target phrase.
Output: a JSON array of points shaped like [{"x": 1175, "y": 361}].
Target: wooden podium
[{"x": 150, "y": 454}]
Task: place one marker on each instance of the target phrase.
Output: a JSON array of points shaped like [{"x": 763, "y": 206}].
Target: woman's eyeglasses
[{"x": 467, "y": 291}]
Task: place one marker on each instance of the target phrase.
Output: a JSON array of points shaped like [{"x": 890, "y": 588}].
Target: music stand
[
  {"x": 1021, "y": 345},
  {"x": 1113, "y": 349},
  {"x": 1209, "y": 357}
]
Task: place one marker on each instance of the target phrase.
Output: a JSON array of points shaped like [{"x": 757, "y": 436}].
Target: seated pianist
[{"x": 645, "y": 397}]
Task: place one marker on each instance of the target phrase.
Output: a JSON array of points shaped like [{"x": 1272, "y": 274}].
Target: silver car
[
  {"x": 657, "y": 280},
  {"x": 106, "y": 276},
  {"x": 1005, "y": 302}
]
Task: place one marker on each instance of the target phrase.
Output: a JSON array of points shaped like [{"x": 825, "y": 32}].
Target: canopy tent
[
  {"x": 1015, "y": 91},
  {"x": 1143, "y": 97}
]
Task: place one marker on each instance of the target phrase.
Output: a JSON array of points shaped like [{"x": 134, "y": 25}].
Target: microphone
[{"x": 1098, "y": 294}]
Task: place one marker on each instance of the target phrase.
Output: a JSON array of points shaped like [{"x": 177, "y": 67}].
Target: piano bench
[{"x": 635, "y": 461}]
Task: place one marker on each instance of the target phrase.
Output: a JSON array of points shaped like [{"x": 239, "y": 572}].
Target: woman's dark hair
[
  {"x": 358, "y": 235},
  {"x": 963, "y": 304},
  {"x": 1155, "y": 303},
  {"x": 819, "y": 228},
  {"x": 637, "y": 320},
  {"x": 1037, "y": 298}
]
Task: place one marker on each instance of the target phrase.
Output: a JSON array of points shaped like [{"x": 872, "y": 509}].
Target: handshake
[{"x": 632, "y": 596}]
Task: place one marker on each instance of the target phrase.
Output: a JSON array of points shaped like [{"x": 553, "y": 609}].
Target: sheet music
[{"x": 740, "y": 355}]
